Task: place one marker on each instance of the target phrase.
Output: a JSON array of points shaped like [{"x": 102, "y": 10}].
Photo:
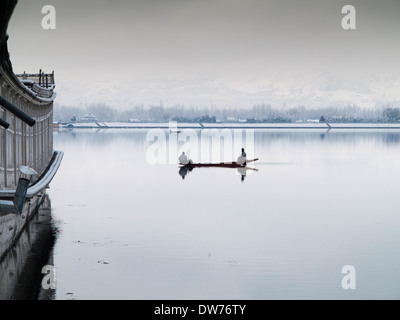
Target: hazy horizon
[{"x": 222, "y": 53}]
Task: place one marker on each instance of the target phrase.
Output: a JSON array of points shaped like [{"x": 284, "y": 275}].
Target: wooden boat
[{"x": 218, "y": 165}]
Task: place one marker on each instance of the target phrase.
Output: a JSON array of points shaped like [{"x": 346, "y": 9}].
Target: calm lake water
[{"x": 128, "y": 229}]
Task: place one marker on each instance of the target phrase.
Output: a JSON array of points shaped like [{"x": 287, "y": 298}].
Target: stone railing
[{"x": 42, "y": 83}]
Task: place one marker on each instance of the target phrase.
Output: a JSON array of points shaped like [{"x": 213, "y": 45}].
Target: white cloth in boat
[
  {"x": 183, "y": 159},
  {"x": 241, "y": 160}
]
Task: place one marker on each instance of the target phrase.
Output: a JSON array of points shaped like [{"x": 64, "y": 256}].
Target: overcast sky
[{"x": 104, "y": 44}]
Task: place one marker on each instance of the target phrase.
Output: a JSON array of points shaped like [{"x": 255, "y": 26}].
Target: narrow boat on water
[
  {"x": 28, "y": 162},
  {"x": 219, "y": 165}
]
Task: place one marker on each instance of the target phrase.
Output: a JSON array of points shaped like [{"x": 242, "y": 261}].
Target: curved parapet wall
[{"x": 22, "y": 143}]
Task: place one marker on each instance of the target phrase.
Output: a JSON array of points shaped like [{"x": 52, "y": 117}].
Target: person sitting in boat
[
  {"x": 241, "y": 160},
  {"x": 183, "y": 159}
]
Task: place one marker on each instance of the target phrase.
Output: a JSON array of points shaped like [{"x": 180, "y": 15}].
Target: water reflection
[
  {"x": 242, "y": 171},
  {"x": 20, "y": 269},
  {"x": 321, "y": 200},
  {"x": 183, "y": 171},
  {"x": 323, "y": 135}
]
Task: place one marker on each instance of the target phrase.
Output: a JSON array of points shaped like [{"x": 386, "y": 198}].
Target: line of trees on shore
[{"x": 261, "y": 113}]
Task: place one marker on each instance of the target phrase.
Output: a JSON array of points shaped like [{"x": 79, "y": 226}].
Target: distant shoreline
[{"x": 128, "y": 125}]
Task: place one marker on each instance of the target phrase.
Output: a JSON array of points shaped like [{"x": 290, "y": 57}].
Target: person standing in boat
[
  {"x": 183, "y": 159},
  {"x": 241, "y": 160}
]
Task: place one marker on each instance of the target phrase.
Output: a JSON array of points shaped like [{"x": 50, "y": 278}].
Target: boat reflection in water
[
  {"x": 242, "y": 171},
  {"x": 184, "y": 170},
  {"x": 21, "y": 268}
]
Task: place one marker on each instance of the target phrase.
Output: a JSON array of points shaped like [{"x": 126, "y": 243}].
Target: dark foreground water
[
  {"x": 320, "y": 201},
  {"x": 21, "y": 269}
]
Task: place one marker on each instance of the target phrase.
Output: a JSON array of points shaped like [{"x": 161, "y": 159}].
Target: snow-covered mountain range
[{"x": 314, "y": 91}]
